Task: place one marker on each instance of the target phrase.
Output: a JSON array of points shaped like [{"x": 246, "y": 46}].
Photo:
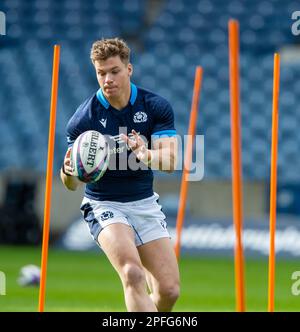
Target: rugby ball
[
  {"x": 29, "y": 275},
  {"x": 90, "y": 156}
]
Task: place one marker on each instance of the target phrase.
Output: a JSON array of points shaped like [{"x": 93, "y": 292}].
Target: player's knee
[
  {"x": 169, "y": 292},
  {"x": 133, "y": 275}
]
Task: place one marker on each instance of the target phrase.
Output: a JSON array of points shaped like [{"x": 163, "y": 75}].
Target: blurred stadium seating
[{"x": 184, "y": 34}]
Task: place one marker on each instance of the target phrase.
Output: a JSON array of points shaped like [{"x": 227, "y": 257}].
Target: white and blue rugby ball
[
  {"x": 29, "y": 275},
  {"x": 90, "y": 156}
]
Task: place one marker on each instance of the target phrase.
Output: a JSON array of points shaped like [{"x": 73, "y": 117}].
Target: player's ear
[{"x": 130, "y": 69}]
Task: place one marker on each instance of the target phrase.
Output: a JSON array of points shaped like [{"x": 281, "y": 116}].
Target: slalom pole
[
  {"x": 49, "y": 174},
  {"x": 233, "y": 27},
  {"x": 188, "y": 158},
  {"x": 273, "y": 182}
]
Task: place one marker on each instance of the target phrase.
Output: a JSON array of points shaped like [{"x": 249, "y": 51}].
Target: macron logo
[{"x": 103, "y": 122}]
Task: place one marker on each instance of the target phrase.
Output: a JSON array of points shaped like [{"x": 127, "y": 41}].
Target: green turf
[{"x": 85, "y": 281}]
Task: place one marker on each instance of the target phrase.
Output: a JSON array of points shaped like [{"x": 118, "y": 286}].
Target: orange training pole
[
  {"x": 236, "y": 162},
  {"x": 188, "y": 158},
  {"x": 48, "y": 191},
  {"x": 273, "y": 185}
]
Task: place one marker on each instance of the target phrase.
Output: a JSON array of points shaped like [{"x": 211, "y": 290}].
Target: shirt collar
[{"x": 105, "y": 102}]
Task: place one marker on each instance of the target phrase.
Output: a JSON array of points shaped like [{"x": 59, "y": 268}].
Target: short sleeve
[
  {"x": 77, "y": 125},
  {"x": 163, "y": 120},
  {"x": 72, "y": 132}
]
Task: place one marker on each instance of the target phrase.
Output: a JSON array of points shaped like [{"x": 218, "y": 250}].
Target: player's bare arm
[
  {"x": 66, "y": 173},
  {"x": 163, "y": 155}
]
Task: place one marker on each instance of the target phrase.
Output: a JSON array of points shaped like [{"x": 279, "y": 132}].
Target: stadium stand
[{"x": 184, "y": 34}]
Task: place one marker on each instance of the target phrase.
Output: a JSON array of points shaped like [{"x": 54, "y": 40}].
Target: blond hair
[{"x": 106, "y": 48}]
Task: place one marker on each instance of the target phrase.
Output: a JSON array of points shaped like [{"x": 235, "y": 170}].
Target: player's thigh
[
  {"x": 158, "y": 257},
  {"x": 118, "y": 243}
]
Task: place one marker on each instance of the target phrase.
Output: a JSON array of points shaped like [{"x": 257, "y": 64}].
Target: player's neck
[{"x": 121, "y": 101}]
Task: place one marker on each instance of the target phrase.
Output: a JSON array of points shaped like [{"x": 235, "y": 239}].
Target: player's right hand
[{"x": 68, "y": 167}]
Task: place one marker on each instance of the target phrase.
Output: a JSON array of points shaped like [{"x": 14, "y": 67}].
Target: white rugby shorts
[{"x": 144, "y": 216}]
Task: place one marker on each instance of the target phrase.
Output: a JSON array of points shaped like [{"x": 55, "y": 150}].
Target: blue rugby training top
[{"x": 148, "y": 114}]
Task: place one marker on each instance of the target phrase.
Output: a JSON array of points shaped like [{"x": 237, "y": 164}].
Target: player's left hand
[{"x": 138, "y": 146}]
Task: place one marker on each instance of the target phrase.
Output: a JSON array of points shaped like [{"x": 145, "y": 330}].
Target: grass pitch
[{"x": 85, "y": 281}]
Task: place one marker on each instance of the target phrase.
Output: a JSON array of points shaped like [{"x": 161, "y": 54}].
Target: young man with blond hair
[{"x": 121, "y": 208}]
